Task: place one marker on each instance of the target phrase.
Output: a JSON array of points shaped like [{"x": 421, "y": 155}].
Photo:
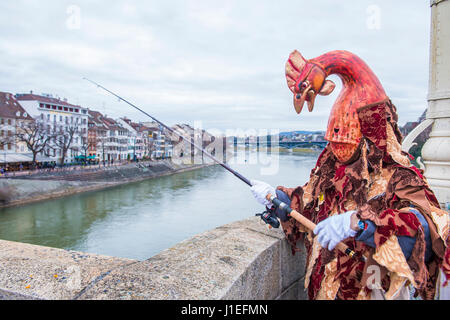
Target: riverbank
[{"x": 22, "y": 190}]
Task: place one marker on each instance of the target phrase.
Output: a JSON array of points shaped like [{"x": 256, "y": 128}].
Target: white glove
[
  {"x": 260, "y": 190},
  {"x": 334, "y": 229}
]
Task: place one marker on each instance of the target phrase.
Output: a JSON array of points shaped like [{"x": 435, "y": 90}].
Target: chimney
[{"x": 31, "y": 91}]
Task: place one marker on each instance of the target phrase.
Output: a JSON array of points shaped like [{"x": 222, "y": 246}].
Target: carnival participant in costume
[{"x": 363, "y": 191}]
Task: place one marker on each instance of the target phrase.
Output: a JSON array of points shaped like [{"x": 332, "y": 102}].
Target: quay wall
[
  {"x": 240, "y": 260},
  {"x": 48, "y": 185}
]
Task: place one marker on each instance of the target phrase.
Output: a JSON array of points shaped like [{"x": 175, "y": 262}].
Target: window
[
  {"x": 9, "y": 146},
  {"x": 59, "y": 108},
  {"x": 48, "y": 117},
  {"x": 9, "y": 121},
  {"x": 60, "y": 118},
  {"x": 54, "y": 107}
]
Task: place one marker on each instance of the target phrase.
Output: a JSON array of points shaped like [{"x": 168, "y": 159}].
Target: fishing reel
[{"x": 269, "y": 218}]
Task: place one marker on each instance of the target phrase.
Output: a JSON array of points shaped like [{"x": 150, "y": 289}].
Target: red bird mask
[{"x": 307, "y": 78}]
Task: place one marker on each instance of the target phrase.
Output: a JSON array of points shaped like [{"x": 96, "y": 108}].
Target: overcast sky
[{"x": 221, "y": 62}]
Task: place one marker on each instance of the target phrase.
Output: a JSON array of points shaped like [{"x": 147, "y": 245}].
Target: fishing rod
[
  {"x": 268, "y": 217},
  {"x": 237, "y": 174}
]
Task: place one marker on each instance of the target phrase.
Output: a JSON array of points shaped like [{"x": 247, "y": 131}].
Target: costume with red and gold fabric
[{"x": 363, "y": 168}]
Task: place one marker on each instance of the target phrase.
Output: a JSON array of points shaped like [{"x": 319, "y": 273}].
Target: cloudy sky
[{"x": 221, "y": 62}]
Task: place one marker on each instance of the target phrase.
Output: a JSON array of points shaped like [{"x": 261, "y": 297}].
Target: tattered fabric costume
[{"x": 363, "y": 168}]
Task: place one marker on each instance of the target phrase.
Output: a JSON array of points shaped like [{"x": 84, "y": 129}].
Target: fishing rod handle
[{"x": 309, "y": 224}]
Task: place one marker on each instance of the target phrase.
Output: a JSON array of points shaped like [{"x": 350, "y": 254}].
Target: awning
[
  {"x": 22, "y": 157},
  {"x": 15, "y": 157},
  {"x": 82, "y": 157}
]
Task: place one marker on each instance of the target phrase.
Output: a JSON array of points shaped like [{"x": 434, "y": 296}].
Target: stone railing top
[{"x": 241, "y": 260}]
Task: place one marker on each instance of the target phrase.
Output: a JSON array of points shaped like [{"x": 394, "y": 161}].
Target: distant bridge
[
  {"x": 303, "y": 144},
  {"x": 284, "y": 144},
  {"x": 288, "y": 144}
]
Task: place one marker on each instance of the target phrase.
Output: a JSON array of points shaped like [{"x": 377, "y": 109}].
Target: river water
[{"x": 140, "y": 219}]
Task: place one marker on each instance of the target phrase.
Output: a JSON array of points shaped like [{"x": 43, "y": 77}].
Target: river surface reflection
[{"x": 140, "y": 219}]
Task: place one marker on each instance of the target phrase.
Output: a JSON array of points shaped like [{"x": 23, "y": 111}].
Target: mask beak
[
  {"x": 300, "y": 98},
  {"x": 310, "y": 100}
]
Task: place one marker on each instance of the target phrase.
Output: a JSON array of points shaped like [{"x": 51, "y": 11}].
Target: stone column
[{"x": 436, "y": 151}]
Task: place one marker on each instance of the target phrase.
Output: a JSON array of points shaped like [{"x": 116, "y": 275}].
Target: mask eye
[{"x": 303, "y": 85}]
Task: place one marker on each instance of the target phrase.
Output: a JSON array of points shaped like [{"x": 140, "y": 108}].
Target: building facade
[
  {"x": 92, "y": 135},
  {"x": 97, "y": 135},
  {"x": 12, "y": 119},
  {"x": 59, "y": 118}
]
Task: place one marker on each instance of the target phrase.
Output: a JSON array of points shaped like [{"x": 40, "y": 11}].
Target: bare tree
[
  {"x": 86, "y": 144},
  {"x": 35, "y": 137},
  {"x": 63, "y": 141}
]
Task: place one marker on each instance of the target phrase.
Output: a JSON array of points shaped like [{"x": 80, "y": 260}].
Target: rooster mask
[{"x": 307, "y": 78}]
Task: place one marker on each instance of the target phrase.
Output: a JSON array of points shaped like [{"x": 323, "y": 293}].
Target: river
[{"x": 140, "y": 219}]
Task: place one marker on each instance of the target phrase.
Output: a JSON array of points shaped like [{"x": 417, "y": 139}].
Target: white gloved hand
[
  {"x": 260, "y": 190},
  {"x": 334, "y": 229}
]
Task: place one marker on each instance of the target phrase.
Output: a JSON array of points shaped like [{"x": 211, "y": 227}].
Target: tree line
[{"x": 39, "y": 139}]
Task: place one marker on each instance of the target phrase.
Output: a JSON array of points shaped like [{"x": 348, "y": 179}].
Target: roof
[
  {"x": 126, "y": 120},
  {"x": 94, "y": 113},
  {"x": 139, "y": 127},
  {"x": 10, "y": 107},
  {"x": 112, "y": 124},
  {"x": 35, "y": 97},
  {"x": 104, "y": 121},
  {"x": 96, "y": 118}
]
